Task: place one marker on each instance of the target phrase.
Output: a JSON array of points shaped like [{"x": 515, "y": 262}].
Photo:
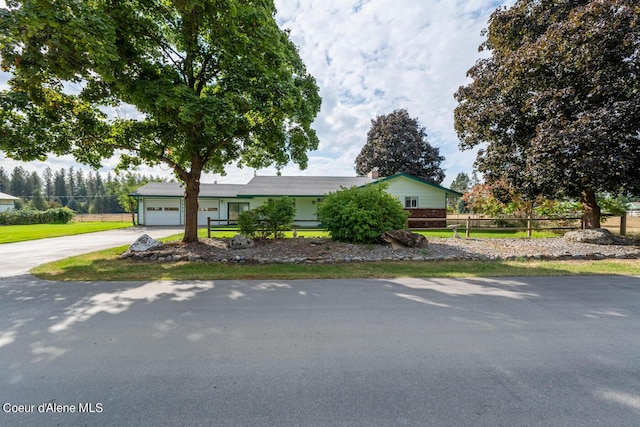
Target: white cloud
[{"x": 371, "y": 57}]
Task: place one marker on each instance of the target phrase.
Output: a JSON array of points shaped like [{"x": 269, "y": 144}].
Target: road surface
[{"x": 560, "y": 351}]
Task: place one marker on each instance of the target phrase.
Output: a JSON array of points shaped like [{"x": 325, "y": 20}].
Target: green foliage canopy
[
  {"x": 213, "y": 82},
  {"x": 397, "y": 144},
  {"x": 555, "y": 108},
  {"x": 361, "y": 214},
  {"x": 270, "y": 219}
]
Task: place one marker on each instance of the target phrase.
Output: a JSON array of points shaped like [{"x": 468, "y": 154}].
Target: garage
[{"x": 162, "y": 212}]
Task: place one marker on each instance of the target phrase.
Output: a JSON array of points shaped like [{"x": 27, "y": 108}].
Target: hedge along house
[
  {"x": 163, "y": 203},
  {"x": 7, "y": 202}
]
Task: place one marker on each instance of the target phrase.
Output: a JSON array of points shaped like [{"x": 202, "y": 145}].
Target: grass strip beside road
[
  {"x": 107, "y": 266},
  {"x": 21, "y": 233}
]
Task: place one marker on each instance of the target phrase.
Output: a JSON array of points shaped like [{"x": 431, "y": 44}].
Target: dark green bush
[
  {"x": 27, "y": 216},
  {"x": 361, "y": 214},
  {"x": 270, "y": 219}
]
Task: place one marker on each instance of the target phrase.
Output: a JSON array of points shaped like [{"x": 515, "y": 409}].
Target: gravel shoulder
[{"x": 303, "y": 250}]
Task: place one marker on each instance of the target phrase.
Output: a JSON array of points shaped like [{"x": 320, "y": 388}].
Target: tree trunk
[
  {"x": 133, "y": 206},
  {"x": 591, "y": 210},
  {"x": 192, "y": 189}
]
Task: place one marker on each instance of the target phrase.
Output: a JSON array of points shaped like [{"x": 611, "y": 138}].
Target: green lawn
[
  {"x": 106, "y": 265},
  {"x": 20, "y": 233},
  {"x": 485, "y": 234}
]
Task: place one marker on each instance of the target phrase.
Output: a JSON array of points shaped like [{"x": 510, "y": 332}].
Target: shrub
[
  {"x": 361, "y": 214},
  {"x": 270, "y": 219},
  {"x": 249, "y": 223},
  {"x": 27, "y": 216}
]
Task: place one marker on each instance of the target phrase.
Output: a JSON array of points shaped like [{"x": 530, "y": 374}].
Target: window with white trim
[{"x": 410, "y": 202}]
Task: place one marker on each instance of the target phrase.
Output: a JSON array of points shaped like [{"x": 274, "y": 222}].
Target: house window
[{"x": 410, "y": 202}]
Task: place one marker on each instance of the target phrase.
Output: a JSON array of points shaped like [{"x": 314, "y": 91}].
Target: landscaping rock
[
  {"x": 240, "y": 241},
  {"x": 404, "y": 239},
  {"x": 144, "y": 243},
  {"x": 300, "y": 251},
  {"x": 597, "y": 236}
]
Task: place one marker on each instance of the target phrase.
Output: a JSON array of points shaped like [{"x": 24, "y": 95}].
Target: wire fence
[{"x": 107, "y": 217}]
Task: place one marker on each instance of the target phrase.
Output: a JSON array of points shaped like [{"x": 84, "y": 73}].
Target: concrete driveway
[{"x": 18, "y": 258}]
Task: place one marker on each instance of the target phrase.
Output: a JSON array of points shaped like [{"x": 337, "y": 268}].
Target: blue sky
[{"x": 369, "y": 57}]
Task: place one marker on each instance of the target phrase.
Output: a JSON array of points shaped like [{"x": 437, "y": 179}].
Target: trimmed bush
[
  {"x": 27, "y": 216},
  {"x": 361, "y": 214},
  {"x": 270, "y": 219}
]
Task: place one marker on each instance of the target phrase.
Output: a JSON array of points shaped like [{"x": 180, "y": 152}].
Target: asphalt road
[{"x": 416, "y": 352}]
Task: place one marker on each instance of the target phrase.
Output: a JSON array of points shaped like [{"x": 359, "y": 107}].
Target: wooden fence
[
  {"x": 470, "y": 224},
  {"x": 514, "y": 224}
]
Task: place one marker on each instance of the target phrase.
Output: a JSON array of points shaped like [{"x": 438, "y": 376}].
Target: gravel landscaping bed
[{"x": 320, "y": 251}]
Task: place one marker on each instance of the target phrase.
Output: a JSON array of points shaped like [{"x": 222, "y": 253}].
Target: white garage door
[
  {"x": 162, "y": 212},
  {"x": 206, "y": 209}
]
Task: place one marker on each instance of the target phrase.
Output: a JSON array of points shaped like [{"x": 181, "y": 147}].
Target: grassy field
[{"x": 20, "y": 233}]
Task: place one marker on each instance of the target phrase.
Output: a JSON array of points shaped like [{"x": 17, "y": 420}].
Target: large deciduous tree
[
  {"x": 397, "y": 144},
  {"x": 212, "y": 82},
  {"x": 557, "y": 102}
]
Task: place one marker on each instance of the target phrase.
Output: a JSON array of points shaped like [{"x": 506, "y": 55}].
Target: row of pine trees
[{"x": 82, "y": 191}]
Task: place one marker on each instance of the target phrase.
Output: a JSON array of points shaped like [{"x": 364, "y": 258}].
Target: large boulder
[
  {"x": 144, "y": 243},
  {"x": 404, "y": 239},
  {"x": 598, "y": 236},
  {"x": 240, "y": 241}
]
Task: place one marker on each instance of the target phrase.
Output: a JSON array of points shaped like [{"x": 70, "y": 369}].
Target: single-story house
[
  {"x": 161, "y": 203},
  {"x": 7, "y": 202}
]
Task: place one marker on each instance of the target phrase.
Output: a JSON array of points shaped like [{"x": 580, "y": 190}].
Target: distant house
[
  {"x": 633, "y": 209},
  {"x": 163, "y": 203},
  {"x": 7, "y": 202}
]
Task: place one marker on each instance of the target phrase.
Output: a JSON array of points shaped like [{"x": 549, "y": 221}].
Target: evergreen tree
[
  {"x": 60, "y": 187},
  {"x": 47, "y": 177},
  {"x": 462, "y": 183},
  {"x": 18, "y": 182},
  {"x": 5, "y": 181}
]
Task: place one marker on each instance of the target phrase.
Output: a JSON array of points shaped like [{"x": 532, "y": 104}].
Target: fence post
[
  {"x": 623, "y": 225},
  {"x": 529, "y": 225},
  {"x": 468, "y": 231},
  {"x": 208, "y": 227}
]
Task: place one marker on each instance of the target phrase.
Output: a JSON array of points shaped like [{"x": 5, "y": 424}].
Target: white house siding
[
  {"x": 306, "y": 209},
  {"x": 208, "y": 208},
  {"x": 428, "y": 197}
]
